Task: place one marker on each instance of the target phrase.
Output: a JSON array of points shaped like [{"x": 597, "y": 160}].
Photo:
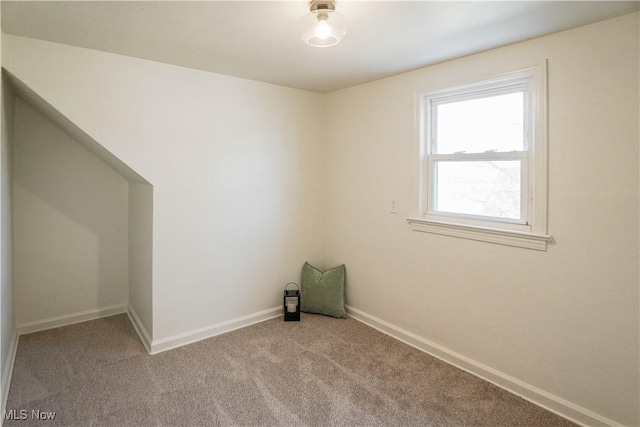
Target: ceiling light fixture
[{"x": 323, "y": 26}]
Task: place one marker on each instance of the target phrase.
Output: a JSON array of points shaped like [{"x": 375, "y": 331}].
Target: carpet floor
[{"x": 318, "y": 372}]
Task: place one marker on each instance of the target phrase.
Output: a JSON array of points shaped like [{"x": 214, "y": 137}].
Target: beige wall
[
  {"x": 565, "y": 321},
  {"x": 71, "y": 225}
]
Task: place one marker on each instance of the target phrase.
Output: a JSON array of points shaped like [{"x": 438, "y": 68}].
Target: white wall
[
  {"x": 70, "y": 225},
  {"x": 236, "y": 168},
  {"x": 140, "y": 255},
  {"x": 7, "y": 323},
  {"x": 566, "y": 320}
]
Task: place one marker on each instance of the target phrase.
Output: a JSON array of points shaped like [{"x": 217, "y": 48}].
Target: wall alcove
[{"x": 82, "y": 223}]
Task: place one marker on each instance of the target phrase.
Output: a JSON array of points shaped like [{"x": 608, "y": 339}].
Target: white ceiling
[{"x": 259, "y": 40}]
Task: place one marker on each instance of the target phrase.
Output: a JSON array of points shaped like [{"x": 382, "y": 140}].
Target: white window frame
[{"x": 531, "y": 230}]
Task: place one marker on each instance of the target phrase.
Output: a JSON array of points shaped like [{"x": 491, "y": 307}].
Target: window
[{"x": 483, "y": 163}]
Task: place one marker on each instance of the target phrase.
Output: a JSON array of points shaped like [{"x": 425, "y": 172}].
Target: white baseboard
[
  {"x": 70, "y": 319},
  {"x": 7, "y": 372},
  {"x": 553, "y": 403},
  {"x": 142, "y": 332},
  {"x": 164, "y": 344}
]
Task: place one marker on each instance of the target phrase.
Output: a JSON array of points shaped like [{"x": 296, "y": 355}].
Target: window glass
[
  {"x": 493, "y": 123},
  {"x": 487, "y": 188}
]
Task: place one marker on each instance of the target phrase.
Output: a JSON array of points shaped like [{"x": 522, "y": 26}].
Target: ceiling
[{"x": 259, "y": 40}]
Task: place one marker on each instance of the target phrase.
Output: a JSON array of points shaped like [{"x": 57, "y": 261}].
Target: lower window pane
[{"x": 487, "y": 188}]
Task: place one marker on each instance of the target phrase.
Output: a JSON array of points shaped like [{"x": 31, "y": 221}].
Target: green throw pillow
[{"x": 323, "y": 293}]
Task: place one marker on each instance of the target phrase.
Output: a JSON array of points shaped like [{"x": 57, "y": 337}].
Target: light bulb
[{"x": 323, "y": 31}]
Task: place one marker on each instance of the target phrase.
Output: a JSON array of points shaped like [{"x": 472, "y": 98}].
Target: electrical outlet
[{"x": 393, "y": 206}]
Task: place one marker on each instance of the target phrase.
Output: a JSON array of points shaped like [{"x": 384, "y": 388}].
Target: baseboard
[
  {"x": 7, "y": 373},
  {"x": 553, "y": 403},
  {"x": 142, "y": 332},
  {"x": 70, "y": 319},
  {"x": 158, "y": 346}
]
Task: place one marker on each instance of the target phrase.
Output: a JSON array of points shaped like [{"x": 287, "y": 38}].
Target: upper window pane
[{"x": 480, "y": 125}]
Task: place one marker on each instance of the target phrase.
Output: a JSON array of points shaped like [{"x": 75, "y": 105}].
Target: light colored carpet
[{"x": 319, "y": 372}]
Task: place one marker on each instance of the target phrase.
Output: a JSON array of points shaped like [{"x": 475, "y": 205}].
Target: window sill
[{"x": 485, "y": 234}]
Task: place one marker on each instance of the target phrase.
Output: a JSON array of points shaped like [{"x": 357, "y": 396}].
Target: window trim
[{"x": 533, "y": 235}]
